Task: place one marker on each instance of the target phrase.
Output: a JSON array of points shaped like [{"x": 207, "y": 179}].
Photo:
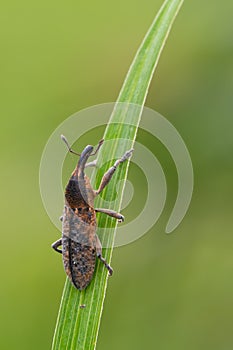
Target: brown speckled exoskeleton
[{"x": 80, "y": 243}]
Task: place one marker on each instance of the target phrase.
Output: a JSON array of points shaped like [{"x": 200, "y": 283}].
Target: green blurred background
[{"x": 168, "y": 291}]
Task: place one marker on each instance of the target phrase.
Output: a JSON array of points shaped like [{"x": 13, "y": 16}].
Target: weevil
[{"x": 80, "y": 243}]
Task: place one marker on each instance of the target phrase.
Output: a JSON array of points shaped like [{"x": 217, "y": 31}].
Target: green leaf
[{"x": 77, "y": 328}]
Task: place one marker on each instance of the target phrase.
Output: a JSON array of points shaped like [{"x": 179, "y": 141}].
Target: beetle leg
[
  {"x": 108, "y": 175},
  {"x": 111, "y": 213},
  {"x": 110, "y": 270},
  {"x": 90, "y": 164},
  {"x": 57, "y": 244},
  {"x": 99, "y": 255}
]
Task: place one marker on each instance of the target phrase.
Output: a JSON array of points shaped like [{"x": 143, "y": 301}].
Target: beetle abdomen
[{"x": 79, "y": 262}]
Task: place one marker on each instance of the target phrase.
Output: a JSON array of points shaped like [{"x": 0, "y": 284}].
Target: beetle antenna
[
  {"x": 67, "y": 144},
  {"x": 98, "y": 147}
]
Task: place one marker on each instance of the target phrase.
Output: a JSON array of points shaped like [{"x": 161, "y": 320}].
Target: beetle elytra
[{"x": 80, "y": 243}]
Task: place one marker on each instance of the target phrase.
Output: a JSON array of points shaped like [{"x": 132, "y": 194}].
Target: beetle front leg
[
  {"x": 57, "y": 244},
  {"x": 108, "y": 175},
  {"x": 99, "y": 255},
  {"x": 111, "y": 213},
  {"x": 91, "y": 164}
]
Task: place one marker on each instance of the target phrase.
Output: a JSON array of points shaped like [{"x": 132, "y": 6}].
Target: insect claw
[
  {"x": 128, "y": 154},
  {"x": 122, "y": 219},
  {"x": 110, "y": 271}
]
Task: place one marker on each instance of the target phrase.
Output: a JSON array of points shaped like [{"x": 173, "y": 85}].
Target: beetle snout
[
  {"x": 84, "y": 156},
  {"x": 88, "y": 149}
]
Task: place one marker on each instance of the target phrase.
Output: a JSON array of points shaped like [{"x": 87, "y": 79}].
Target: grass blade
[{"x": 77, "y": 328}]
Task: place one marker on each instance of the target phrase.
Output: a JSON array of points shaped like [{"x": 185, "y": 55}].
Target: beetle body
[{"x": 80, "y": 243}]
